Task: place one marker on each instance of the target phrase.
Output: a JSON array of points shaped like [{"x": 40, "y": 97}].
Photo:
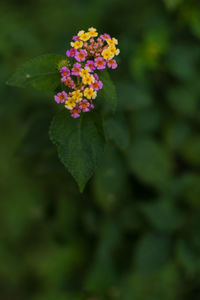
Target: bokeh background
[{"x": 134, "y": 234}]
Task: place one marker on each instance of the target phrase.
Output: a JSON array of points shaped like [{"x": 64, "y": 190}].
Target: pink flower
[
  {"x": 75, "y": 38},
  {"x": 84, "y": 105},
  {"x": 76, "y": 69},
  {"x": 60, "y": 97},
  {"x": 90, "y": 65},
  {"x": 71, "y": 53},
  {"x": 91, "y": 40},
  {"x": 112, "y": 63},
  {"x": 97, "y": 85},
  {"x": 100, "y": 63},
  {"x": 85, "y": 44},
  {"x": 65, "y": 71},
  {"x": 91, "y": 106},
  {"x": 75, "y": 112},
  {"x": 81, "y": 55},
  {"x": 96, "y": 76},
  {"x": 88, "y": 55},
  {"x": 105, "y": 36},
  {"x": 67, "y": 81},
  {"x": 100, "y": 84}
]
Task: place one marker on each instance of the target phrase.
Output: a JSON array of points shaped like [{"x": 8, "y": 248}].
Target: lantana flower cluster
[{"x": 89, "y": 54}]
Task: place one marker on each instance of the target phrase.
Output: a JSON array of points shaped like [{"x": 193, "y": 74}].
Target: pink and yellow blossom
[
  {"x": 90, "y": 65},
  {"x": 76, "y": 69},
  {"x": 65, "y": 71},
  {"x": 107, "y": 54},
  {"x": 112, "y": 42},
  {"x": 84, "y": 72},
  {"x": 77, "y": 95},
  {"x": 84, "y": 105},
  {"x": 90, "y": 53},
  {"x": 96, "y": 85},
  {"x": 75, "y": 112},
  {"x": 81, "y": 55},
  {"x": 88, "y": 79},
  {"x": 92, "y": 32},
  {"x": 100, "y": 63},
  {"x": 71, "y": 53},
  {"x": 89, "y": 93},
  {"x": 70, "y": 103},
  {"x": 112, "y": 63},
  {"x": 77, "y": 44},
  {"x": 84, "y": 36},
  {"x": 60, "y": 97}
]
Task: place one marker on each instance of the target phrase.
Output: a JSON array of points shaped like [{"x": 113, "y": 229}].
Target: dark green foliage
[
  {"x": 149, "y": 161},
  {"x": 40, "y": 72},
  {"x": 109, "y": 92},
  {"x": 80, "y": 144},
  {"x": 117, "y": 130},
  {"x": 148, "y": 262},
  {"x": 134, "y": 232}
]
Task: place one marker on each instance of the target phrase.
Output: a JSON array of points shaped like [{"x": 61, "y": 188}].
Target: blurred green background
[{"x": 134, "y": 234}]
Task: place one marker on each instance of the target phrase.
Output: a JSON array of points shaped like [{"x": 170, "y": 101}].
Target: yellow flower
[
  {"x": 90, "y": 93},
  {"x": 80, "y": 32},
  {"x": 114, "y": 50},
  {"x": 117, "y": 52},
  {"x": 84, "y": 72},
  {"x": 116, "y": 41},
  {"x": 88, "y": 79},
  {"x": 70, "y": 103},
  {"x": 112, "y": 42},
  {"x": 92, "y": 29},
  {"x": 77, "y": 44},
  {"x": 107, "y": 54},
  {"x": 84, "y": 36},
  {"x": 77, "y": 95},
  {"x": 92, "y": 32}
]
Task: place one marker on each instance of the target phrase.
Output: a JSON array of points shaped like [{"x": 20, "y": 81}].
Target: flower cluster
[{"x": 89, "y": 54}]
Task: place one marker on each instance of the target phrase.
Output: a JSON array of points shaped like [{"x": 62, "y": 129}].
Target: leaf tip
[{"x": 81, "y": 187}]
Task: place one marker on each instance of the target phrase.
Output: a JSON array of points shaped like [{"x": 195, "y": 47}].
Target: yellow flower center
[
  {"x": 84, "y": 36},
  {"x": 84, "y": 73},
  {"x": 70, "y": 103}
]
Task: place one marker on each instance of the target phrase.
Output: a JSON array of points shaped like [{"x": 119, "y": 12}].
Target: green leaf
[
  {"x": 110, "y": 180},
  {"x": 79, "y": 144},
  {"x": 184, "y": 100},
  {"x": 149, "y": 161},
  {"x": 103, "y": 261},
  {"x": 172, "y": 4},
  {"x": 191, "y": 150},
  {"x": 116, "y": 128},
  {"x": 56, "y": 262},
  {"x": 186, "y": 187},
  {"x": 40, "y": 72},
  {"x": 163, "y": 215},
  {"x": 160, "y": 285},
  {"x": 187, "y": 257},
  {"x": 176, "y": 133},
  {"x": 183, "y": 59},
  {"x": 191, "y": 188},
  {"x": 145, "y": 120},
  {"x": 133, "y": 96},
  {"x": 109, "y": 91},
  {"x": 152, "y": 253}
]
